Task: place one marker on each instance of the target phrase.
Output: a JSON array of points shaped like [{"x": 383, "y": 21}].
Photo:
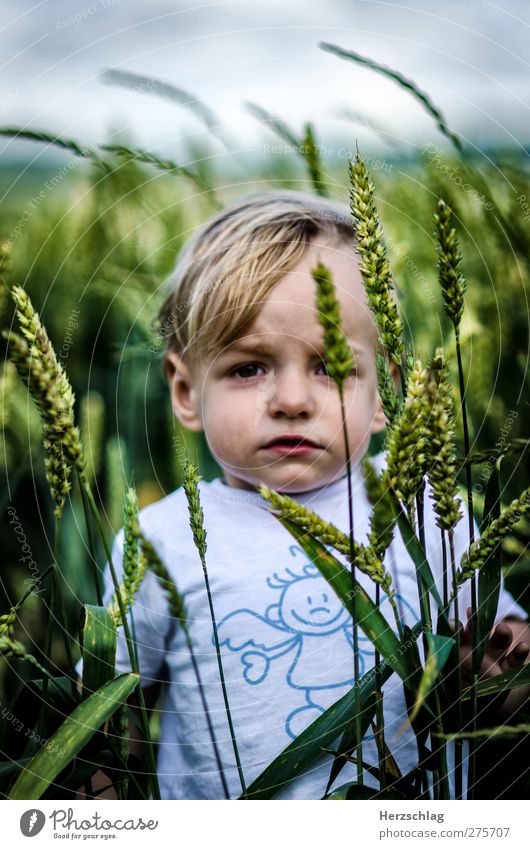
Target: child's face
[{"x": 271, "y": 383}]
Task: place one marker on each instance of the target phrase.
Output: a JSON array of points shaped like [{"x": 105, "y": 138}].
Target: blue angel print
[{"x": 308, "y": 618}]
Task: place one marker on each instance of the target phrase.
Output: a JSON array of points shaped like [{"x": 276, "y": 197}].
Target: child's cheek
[
  {"x": 239, "y": 431},
  {"x": 226, "y": 428}
]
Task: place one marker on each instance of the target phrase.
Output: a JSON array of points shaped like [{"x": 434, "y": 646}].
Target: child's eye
[
  {"x": 249, "y": 370},
  {"x": 324, "y": 365},
  {"x": 246, "y": 370}
]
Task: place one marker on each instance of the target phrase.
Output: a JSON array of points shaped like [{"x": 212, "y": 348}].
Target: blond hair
[{"x": 232, "y": 262}]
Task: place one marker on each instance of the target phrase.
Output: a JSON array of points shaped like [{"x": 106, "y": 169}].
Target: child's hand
[
  {"x": 507, "y": 649},
  {"x": 503, "y": 653}
]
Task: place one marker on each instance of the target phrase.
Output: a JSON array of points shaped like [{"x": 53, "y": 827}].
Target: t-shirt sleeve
[{"x": 151, "y": 621}]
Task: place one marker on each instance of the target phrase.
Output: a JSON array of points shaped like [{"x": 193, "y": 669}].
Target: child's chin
[{"x": 294, "y": 483}]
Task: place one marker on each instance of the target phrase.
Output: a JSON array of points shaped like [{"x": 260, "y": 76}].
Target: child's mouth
[{"x": 292, "y": 445}]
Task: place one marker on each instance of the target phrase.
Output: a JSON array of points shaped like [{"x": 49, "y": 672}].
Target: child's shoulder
[
  {"x": 171, "y": 511},
  {"x": 169, "y": 508},
  {"x": 378, "y": 461}
]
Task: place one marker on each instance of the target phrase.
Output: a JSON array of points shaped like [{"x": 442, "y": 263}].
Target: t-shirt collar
[{"x": 232, "y": 493}]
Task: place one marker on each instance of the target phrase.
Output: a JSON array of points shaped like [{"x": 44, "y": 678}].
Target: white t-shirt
[{"x": 286, "y": 639}]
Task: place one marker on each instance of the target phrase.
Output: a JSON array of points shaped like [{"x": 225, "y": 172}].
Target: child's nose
[{"x": 291, "y": 394}]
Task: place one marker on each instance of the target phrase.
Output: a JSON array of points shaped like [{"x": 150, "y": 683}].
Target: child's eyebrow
[{"x": 248, "y": 347}]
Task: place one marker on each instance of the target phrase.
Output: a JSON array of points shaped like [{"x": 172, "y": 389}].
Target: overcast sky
[{"x": 472, "y": 57}]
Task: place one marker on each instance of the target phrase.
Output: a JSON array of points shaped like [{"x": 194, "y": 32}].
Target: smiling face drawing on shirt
[
  {"x": 309, "y": 606},
  {"x": 306, "y": 623}
]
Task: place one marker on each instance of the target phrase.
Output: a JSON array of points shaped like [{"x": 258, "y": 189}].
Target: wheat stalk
[
  {"x": 406, "y": 457},
  {"x": 134, "y": 564},
  {"x": 439, "y": 428},
  {"x": 14, "y": 648},
  {"x": 387, "y": 392},
  {"x": 382, "y": 520},
  {"x": 167, "y": 165},
  {"x": 453, "y": 288},
  {"x": 92, "y": 426},
  {"x": 8, "y": 381},
  {"x": 452, "y": 282},
  {"x": 178, "y": 611},
  {"x": 483, "y": 548},
  {"x": 119, "y": 728},
  {"x": 196, "y": 517},
  {"x": 314, "y": 161},
  {"x": 155, "y": 565},
  {"x": 375, "y": 269},
  {"x": 7, "y": 623},
  {"x": 43, "y": 389},
  {"x": 5, "y": 268},
  {"x": 340, "y": 361},
  {"x": 287, "y": 508},
  {"x": 439, "y": 431},
  {"x": 37, "y": 365},
  {"x": 116, "y": 468},
  {"x": 52, "y": 394}
]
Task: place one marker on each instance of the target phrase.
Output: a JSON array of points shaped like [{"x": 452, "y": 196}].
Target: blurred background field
[{"x": 93, "y": 245}]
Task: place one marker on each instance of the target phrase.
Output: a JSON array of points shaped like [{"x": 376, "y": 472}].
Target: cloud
[{"x": 468, "y": 56}]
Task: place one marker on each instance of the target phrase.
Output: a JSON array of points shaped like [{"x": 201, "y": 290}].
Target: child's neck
[{"x": 295, "y": 495}]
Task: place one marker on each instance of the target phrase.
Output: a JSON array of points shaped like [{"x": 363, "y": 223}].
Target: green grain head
[
  {"x": 196, "y": 515},
  {"x": 133, "y": 563},
  {"x": 314, "y": 161},
  {"x": 383, "y": 518},
  {"x": 287, "y": 508},
  {"x": 37, "y": 365},
  {"x": 339, "y": 356},
  {"x": 406, "y": 459},
  {"x": 439, "y": 433},
  {"x": 482, "y": 549},
  {"x": 375, "y": 269},
  {"x": 452, "y": 282},
  {"x": 155, "y": 564},
  {"x": 387, "y": 391}
]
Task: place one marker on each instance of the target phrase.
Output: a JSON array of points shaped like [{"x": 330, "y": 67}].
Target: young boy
[{"x": 244, "y": 361}]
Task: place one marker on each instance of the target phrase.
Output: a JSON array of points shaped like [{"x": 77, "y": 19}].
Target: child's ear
[
  {"x": 184, "y": 398},
  {"x": 394, "y": 374},
  {"x": 379, "y": 419}
]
